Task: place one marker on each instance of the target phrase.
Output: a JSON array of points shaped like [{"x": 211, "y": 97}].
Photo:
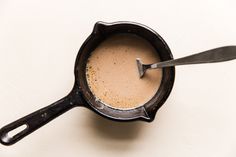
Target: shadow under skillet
[{"x": 113, "y": 130}]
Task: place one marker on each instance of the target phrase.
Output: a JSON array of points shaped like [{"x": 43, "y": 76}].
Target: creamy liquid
[{"x": 112, "y": 73}]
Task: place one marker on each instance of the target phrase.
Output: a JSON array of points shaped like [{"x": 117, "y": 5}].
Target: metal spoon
[{"x": 220, "y": 54}]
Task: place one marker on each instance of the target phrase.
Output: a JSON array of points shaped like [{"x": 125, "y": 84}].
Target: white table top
[{"x": 39, "y": 43}]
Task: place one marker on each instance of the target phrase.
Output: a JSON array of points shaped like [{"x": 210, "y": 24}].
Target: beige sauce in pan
[{"x": 112, "y": 73}]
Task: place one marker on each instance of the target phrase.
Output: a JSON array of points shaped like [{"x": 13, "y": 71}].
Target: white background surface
[{"x": 39, "y": 41}]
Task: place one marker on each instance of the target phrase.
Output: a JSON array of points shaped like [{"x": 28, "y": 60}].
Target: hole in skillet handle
[
  {"x": 12, "y": 134},
  {"x": 16, "y": 131}
]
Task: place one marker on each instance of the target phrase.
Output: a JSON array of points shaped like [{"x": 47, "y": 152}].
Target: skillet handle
[{"x": 35, "y": 120}]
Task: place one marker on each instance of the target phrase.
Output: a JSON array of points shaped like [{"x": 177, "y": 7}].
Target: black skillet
[{"x": 81, "y": 95}]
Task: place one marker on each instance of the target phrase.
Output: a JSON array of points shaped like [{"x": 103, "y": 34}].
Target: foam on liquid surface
[{"x": 112, "y": 73}]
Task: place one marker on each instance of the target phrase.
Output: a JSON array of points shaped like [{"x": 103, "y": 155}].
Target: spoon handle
[{"x": 210, "y": 56}]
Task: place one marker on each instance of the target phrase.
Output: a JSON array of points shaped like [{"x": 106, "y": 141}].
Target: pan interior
[{"x": 112, "y": 74}]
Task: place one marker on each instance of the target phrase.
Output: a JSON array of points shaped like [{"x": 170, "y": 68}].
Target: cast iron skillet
[{"x": 81, "y": 95}]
